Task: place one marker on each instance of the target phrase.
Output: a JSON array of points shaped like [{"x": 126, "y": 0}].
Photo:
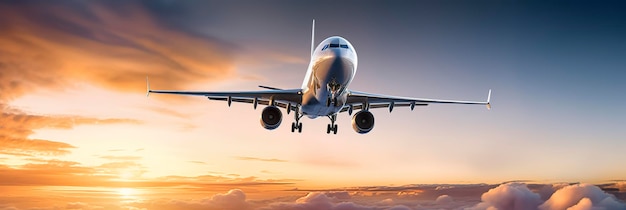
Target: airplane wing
[
  {"x": 281, "y": 98},
  {"x": 357, "y": 100}
]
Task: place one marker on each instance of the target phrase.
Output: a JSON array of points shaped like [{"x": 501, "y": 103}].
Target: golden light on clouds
[
  {"x": 50, "y": 47},
  {"x": 128, "y": 194}
]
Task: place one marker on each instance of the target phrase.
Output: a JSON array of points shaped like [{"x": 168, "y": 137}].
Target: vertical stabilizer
[{"x": 312, "y": 37}]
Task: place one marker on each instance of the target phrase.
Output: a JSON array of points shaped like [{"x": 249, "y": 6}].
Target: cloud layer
[
  {"x": 508, "y": 196},
  {"x": 517, "y": 196}
]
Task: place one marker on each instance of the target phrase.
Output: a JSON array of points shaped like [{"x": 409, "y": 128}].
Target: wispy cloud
[
  {"x": 41, "y": 172},
  {"x": 113, "y": 46},
  {"x": 17, "y": 126},
  {"x": 51, "y": 46},
  {"x": 169, "y": 112},
  {"x": 259, "y": 159},
  {"x": 122, "y": 158}
]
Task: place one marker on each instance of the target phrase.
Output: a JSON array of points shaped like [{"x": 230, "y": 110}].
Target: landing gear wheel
[
  {"x": 297, "y": 125},
  {"x": 335, "y": 102},
  {"x": 332, "y": 126},
  {"x": 328, "y": 102}
]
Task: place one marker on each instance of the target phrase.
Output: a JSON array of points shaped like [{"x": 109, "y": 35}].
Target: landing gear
[
  {"x": 332, "y": 126},
  {"x": 330, "y": 100},
  {"x": 297, "y": 125}
]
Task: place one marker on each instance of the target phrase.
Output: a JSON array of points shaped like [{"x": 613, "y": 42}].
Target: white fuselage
[{"x": 332, "y": 68}]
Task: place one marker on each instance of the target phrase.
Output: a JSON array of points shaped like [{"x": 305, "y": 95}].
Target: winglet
[
  {"x": 489, "y": 100},
  {"x": 147, "y": 87}
]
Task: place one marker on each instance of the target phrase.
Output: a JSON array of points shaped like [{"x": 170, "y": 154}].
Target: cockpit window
[
  {"x": 325, "y": 47},
  {"x": 334, "y": 45}
]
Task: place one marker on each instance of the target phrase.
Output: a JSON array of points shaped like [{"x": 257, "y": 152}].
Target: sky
[{"x": 78, "y": 132}]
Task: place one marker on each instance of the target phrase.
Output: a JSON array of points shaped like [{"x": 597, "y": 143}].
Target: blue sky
[{"x": 556, "y": 69}]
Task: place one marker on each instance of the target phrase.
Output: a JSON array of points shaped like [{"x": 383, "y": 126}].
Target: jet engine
[
  {"x": 363, "y": 122},
  {"x": 271, "y": 117}
]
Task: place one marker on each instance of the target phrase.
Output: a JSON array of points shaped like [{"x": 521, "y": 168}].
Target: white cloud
[
  {"x": 315, "y": 201},
  {"x": 583, "y": 204},
  {"x": 517, "y": 196},
  {"x": 547, "y": 190},
  {"x": 341, "y": 195},
  {"x": 234, "y": 199},
  {"x": 573, "y": 195},
  {"x": 510, "y": 196},
  {"x": 443, "y": 199},
  {"x": 399, "y": 207},
  {"x": 386, "y": 202}
]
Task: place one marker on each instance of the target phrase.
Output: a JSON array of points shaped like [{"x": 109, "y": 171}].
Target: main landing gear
[
  {"x": 297, "y": 125},
  {"x": 332, "y": 126}
]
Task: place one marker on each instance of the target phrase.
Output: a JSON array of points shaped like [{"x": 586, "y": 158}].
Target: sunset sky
[{"x": 77, "y": 131}]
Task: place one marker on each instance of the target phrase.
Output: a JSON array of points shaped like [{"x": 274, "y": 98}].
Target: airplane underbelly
[
  {"x": 329, "y": 80},
  {"x": 313, "y": 111},
  {"x": 316, "y": 107}
]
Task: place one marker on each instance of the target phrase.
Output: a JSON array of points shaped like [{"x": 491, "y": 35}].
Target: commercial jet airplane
[{"x": 324, "y": 92}]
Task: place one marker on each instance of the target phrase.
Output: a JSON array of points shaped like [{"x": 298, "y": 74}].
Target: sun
[{"x": 127, "y": 193}]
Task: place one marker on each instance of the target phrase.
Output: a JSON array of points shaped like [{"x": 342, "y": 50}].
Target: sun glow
[
  {"x": 126, "y": 175},
  {"x": 127, "y": 193}
]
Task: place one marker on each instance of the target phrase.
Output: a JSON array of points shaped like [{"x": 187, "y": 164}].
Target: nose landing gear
[
  {"x": 333, "y": 87},
  {"x": 331, "y": 100}
]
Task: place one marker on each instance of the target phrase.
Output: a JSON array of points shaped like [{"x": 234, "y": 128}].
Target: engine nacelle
[
  {"x": 271, "y": 117},
  {"x": 363, "y": 122}
]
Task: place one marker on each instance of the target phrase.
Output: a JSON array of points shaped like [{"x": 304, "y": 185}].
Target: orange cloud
[
  {"x": 16, "y": 126},
  {"x": 168, "y": 112},
  {"x": 51, "y": 46},
  {"x": 48, "y": 45},
  {"x": 260, "y": 159},
  {"x": 122, "y": 158},
  {"x": 68, "y": 173}
]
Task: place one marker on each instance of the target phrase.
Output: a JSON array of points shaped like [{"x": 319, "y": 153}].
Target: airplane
[{"x": 324, "y": 92}]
